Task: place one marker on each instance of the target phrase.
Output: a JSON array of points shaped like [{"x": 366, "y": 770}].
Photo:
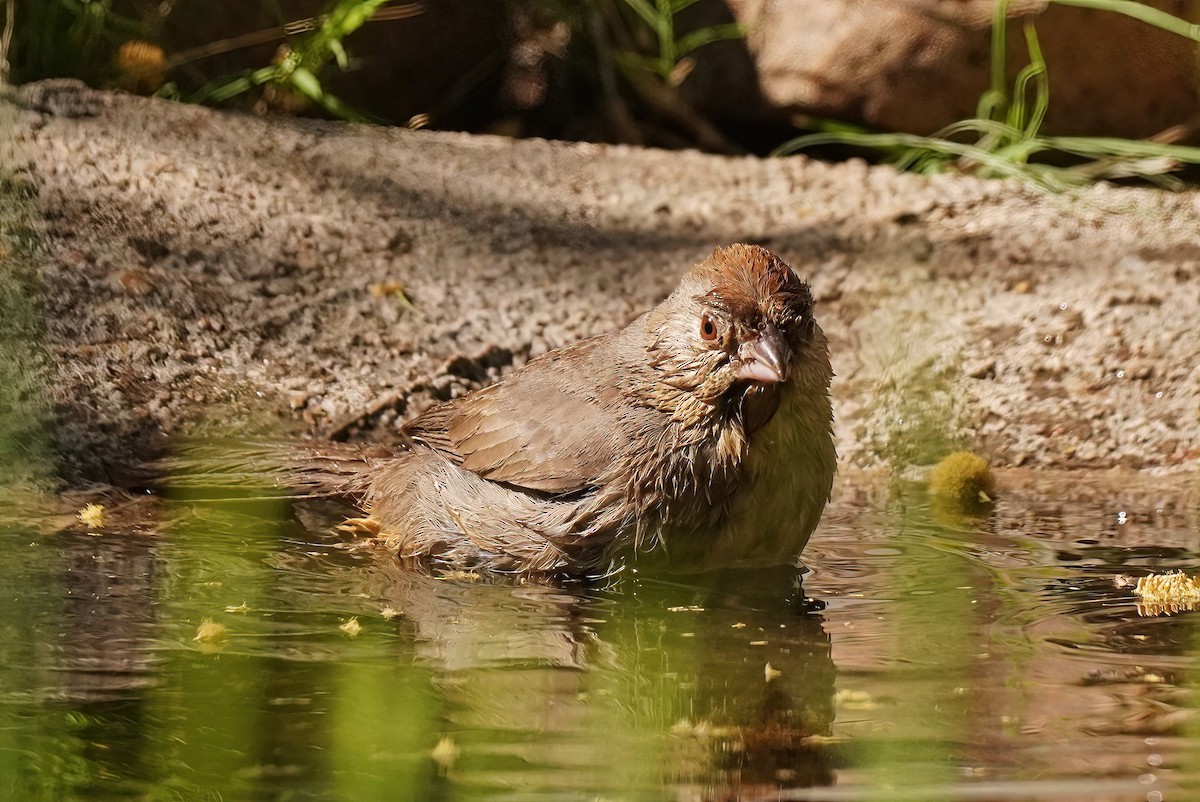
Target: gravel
[{"x": 204, "y": 271}]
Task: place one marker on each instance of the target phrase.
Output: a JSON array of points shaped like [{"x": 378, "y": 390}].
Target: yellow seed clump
[
  {"x": 963, "y": 478},
  {"x": 210, "y": 631},
  {"x": 351, "y": 627},
  {"x": 143, "y": 67},
  {"x": 445, "y": 754},
  {"x": 136, "y": 54},
  {"x": 92, "y": 516},
  {"x": 1172, "y": 587}
]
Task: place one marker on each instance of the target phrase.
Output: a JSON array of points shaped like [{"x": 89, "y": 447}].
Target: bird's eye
[{"x": 708, "y": 328}]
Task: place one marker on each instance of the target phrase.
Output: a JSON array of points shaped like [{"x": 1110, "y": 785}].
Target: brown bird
[{"x": 703, "y": 425}]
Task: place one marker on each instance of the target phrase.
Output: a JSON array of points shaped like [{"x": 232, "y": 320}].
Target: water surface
[{"x": 915, "y": 655}]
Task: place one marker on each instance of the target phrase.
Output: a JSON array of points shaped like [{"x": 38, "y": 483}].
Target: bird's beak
[{"x": 764, "y": 359}]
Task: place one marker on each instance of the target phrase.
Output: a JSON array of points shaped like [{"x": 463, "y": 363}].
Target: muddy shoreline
[{"x": 208, "y": 271}]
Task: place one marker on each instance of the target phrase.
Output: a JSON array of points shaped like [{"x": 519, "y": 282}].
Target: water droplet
[
  {"x": 1158, "y": 394},
  {"x": 1122, "y": 518},
  {"x": 1120, "y": 374}
]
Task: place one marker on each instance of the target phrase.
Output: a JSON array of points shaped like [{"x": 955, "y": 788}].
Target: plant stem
[
  {"x": 10, "y": 12},
  {"x": 1142, "y": 12},
  {"x": 999, "y": 48}
]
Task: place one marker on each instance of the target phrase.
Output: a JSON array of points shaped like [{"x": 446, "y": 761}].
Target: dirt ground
[{"x": 205, "y": 270}]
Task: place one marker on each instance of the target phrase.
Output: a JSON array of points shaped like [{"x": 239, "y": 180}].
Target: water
[{"x": 917, "y": 655}]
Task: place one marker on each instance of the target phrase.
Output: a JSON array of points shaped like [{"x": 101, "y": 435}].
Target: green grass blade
[
  {"x": 665, "y": 28},
  {"x": 636, "y": 61},
  {"x": 1098, "y": 147},
  {"x": 981, "y": 126},
  {"x": 1142, "y": 13},
  {"x": 930, "y": 154},
  {"x": 992, "y": 105},
  {"x": 644, "y": 10},
  {"x": 996, "y": 97},
  {"x": 1041, "y": 101},
  {"x": 1035, "y": 70},
  {"x": 308, "y": 85},
  {"x": 1016, "y": 109},
  {"x": 350, "y": 15},
  {"x": 704, "y": 36},
  {"x": 225, "y": 89},
  {"x": 898, "y": 143},
  {"x": 339, "y": 53}
]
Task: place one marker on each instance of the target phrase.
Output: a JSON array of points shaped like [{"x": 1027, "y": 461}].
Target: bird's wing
[{"x": 547, "y": 427}]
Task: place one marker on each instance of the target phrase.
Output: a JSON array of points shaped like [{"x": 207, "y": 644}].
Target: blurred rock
[{"x": 919, "y": 65}]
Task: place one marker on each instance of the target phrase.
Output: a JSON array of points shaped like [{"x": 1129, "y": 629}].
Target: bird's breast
[{"x": 781, "y": 488}]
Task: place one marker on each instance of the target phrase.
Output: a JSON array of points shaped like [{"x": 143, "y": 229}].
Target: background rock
[
  {"x": 550, "y": 67},
  {"x": 919, "y": 65}
]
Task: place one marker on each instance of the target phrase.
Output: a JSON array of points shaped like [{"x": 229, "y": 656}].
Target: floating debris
[
  {"x": 390, "y": 612},
  {"x": 700, "y": 729},
  {"x": 238, "y": 608},
  {"x": 687, "y": 608},
  {"x": 92, "y": 516},
  {"x": 1164, "y": 594},
  {"x": 210, "y": 631},
  {"x": 459, "y": 575},
  {"x": 351, "y": 627},
  {"x": 445, "y": 754},
  {"x": 771, "y": 673},
  {"x": 854, "y": 700},
  {"x": 964, "y": 479}
]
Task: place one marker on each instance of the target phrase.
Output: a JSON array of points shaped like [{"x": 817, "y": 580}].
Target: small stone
[{"x": 981, "y": 369}]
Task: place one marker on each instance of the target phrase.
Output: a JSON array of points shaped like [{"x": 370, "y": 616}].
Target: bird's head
[{"x": 736, "y": 333}]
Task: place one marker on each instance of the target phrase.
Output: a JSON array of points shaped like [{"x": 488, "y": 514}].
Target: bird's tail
[{"x": 300, "y": 469}]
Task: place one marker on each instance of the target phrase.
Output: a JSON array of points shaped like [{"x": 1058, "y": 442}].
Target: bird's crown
[{"x": 750, "y": 281}]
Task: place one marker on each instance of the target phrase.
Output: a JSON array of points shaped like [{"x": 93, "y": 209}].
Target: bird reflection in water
[{"x": 657, "y": 681}]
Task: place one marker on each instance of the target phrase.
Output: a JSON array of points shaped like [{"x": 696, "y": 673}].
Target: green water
[{"x": 912, "y": 657}]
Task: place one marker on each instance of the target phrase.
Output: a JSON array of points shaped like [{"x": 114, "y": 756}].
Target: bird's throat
[{"x": 759, "y": 403}]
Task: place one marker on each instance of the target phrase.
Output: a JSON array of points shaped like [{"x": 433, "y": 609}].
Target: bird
[{"x": 703, "y": 428}]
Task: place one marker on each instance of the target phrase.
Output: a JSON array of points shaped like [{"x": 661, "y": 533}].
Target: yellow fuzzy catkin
[
  {"x": 1173, "y": 588},
  {"x": 1160, "y": 594},
  {"x": 210, "y": 631},
  {"x": 142, "y": 67},
  {"x": 963, "y": 478},
  {"x": 92, "y": 516}
]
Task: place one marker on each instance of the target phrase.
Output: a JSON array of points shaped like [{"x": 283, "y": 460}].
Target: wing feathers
[{"x": 533, "y": 430}]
